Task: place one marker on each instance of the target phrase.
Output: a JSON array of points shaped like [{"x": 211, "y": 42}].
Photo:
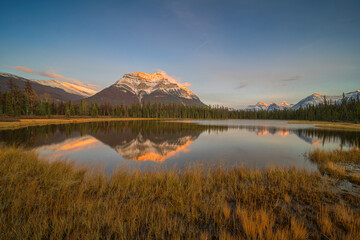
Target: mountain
[
  {"x": 350, "y": 95},
  {"x": 282, "y": 106},
  {"x": 61, "y": 91},
  {"x": 68, "y": 87},
  {"x": 315, "y": 99},
  {"x": 312, "y": 100},
  {"x": 146, "y": 88},
  {"x": 257, "y": 107}
]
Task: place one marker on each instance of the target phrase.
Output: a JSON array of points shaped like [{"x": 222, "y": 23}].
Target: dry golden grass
[
  {"x": 330, "y": 125},
  {"x": 328, "y": 163},
  {"x": 42, "y": 200},
  {"x": 20, "y": 123}
]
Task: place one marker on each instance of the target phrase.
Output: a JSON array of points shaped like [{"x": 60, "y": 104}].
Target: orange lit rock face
[
  {"x": 264, "y": 104},
  {"x": 150, "y": 76},
  {"x": 154, "y": 77}
]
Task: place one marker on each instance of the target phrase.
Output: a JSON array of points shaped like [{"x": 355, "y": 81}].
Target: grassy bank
[
  {"x": 338, "y": 163},
  {"x": 330, "y": 125},
  {"x": 20, "y": 123},
  {"x": 41, "y": 200}
]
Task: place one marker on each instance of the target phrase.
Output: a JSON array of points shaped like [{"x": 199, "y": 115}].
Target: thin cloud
[
  {"x": 203, "y": 44},
  {"x": 290, "y": 79},
  {"x": 52, "y": 74},
  {"x": 23, "y": 69},
  {"x": 286, "y": 81},
  {"x": 242, "y": 85}
]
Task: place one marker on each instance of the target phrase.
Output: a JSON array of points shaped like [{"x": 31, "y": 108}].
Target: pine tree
[
  {"x": 1, "y": 103},
  {"x": 27, "y": 108},
  {"x": 9, "y": 109},
  {"x": 40, "y": 109},
  {"x": 72, "y": 109},
  {"x": 32, "y": 96},
  {"x": 67, "y": 111},
  {"x": 94, "y": 111}
]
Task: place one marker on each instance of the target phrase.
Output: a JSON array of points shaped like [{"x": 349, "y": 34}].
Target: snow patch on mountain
[
  {"x": 314, "y": 100},
  {"x": 67, "y": 87}
]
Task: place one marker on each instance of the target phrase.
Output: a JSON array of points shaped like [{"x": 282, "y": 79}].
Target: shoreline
[
  {"x": 30, "y": 122},
  {"x": 329, "y": 125},
  {"x": 16, "y": 123}
]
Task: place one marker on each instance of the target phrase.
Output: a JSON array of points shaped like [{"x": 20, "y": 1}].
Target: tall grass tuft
[{"x": 333, "y": 163}]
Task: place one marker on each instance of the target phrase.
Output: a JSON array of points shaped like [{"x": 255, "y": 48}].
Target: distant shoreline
[
  {"x": 329, "y": 125},
  {"x": 8, "y": 123},
  {"x": 15, "y": 123}
]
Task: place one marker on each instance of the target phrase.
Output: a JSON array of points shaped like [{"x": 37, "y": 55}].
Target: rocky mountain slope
[
  {"x": 146, "y": 88},
  {"x": 61, "y": 91}
]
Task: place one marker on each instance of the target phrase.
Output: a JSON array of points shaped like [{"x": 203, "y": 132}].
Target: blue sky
[{"x": 234, "y": 53}]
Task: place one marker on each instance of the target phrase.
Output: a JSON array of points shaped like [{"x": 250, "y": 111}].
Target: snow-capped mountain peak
[
  {"x": 258, "y": 106},
  {"x": 147, "y": 88},
  {"x": 146, "y": 83},
  {"x": 262, "y": 104},
  {"x": 284, "y": 104}
]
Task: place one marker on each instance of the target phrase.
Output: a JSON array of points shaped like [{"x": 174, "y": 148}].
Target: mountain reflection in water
[{"x": 144, "y": 142}]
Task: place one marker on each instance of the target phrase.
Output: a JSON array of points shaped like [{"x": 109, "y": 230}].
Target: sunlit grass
[
  {"x": 330, "y": 125},
  {"x": 333, "y": 163},
  {"x": 42, "y": 200},
  {"x": 20, "y": 123}
]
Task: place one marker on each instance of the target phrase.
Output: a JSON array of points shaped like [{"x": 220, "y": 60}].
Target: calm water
[{"x": 162, "y": 144}]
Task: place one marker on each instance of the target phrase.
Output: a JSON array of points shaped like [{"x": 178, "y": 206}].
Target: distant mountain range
[
  {"x": 131, "y": 88},
  {"x": 312, "y": 100},
  {"x": 146, "y": 88},
  {"x": 60, "y": 91}
]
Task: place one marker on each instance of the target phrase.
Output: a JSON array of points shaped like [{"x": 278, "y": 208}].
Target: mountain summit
[{"x": 146, "y": 88}]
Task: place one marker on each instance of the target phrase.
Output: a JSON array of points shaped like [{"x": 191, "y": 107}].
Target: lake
[{"x": 147, "y": 145}]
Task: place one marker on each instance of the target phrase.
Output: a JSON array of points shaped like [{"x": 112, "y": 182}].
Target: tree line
[{"x": 15, "y": 102}]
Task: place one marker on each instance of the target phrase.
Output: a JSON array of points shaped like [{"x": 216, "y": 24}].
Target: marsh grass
[
  {"x": 56, "y": 200},
  {"x": 330, "y": 125},
  {"x": 6, "y": 124},
  {"x": 333, "y": 163}
]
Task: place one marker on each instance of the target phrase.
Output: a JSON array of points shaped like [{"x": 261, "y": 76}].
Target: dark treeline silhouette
[{"x": 16, "y": 102}]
